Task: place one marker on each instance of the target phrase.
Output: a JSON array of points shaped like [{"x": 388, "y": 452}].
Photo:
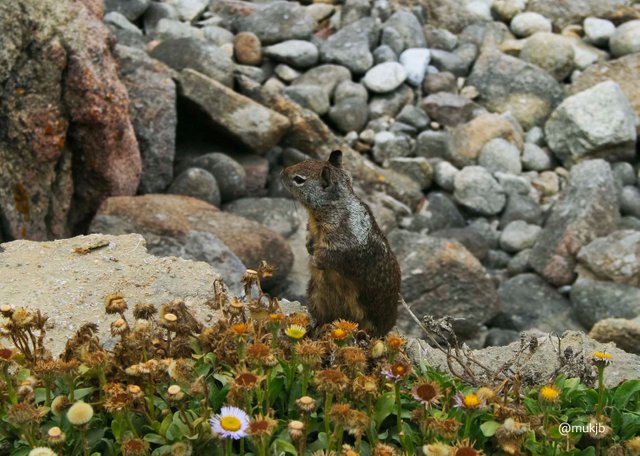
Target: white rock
[
  {"x": 598, "y": 30},
  {"x": 526, "y": 24},
  {"x": 385, "y": 77},
  {"x": 626, "y": 39},
  {"x": 415, "y": 62}
]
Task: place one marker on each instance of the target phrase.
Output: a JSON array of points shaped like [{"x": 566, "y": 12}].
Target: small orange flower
[
  {"x": 395, "y": 342},
  {"x": 345, "y": 325}
]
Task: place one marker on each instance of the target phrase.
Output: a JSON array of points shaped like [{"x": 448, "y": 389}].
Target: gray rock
[
  {"x": 387, "y": 145},
  {"x": 198, "y": 183},
  {"x": 519, "y": 263},
  {"x": 320, "y": 11},
  {"x": 276, "y": 21},
  {"x": 445, "y": 174},
  {"x": 449, "y": 61},
  {"x": 229, "y": 175},
  {"x": 436, "y": 271},
  {"x": 499, "y": 155},
  {"x": 385, "y": 77},
  {"x": 552, "y": 53},
  {"x": 415, "y": 62},
  {"x": 254, "y": 125},
  {"x": 279, "y": 214},
  {"x": 188, "y": 10},
  {"x": 152, "y": 108},
  {"x": 526, "y": 24},
  {"x": 309, "y": 96},
  {"x": 286, "y": 73},
  {"x": 251, "y": 72},
  {"x": 433, "y": 144},
  {"x": 597, "y": 122},
  {"x": 511, "y": 183},
  {"x": 535, "y": 136},
  {"x": 629, "y": 223},
  {"x": 131, "y": 9},
  {"x": 518, "y": 235},
  {"x": 477, "y": 190},
  {"x": 468, "y": 52},
  {"x": 598, "y": 31},
  {"x": 217, "y": 35},
  {"x": 626, "y": 39},
  {"x": 256, "y": 170},
  {"x": 509, "y": 84},
  {"x": 297, "y": 53},
  {"x": 439, "y": 38},
  {"x": 573, "y": 12},
  {"x": 487, "y": 230},
  {"x": 384, "y": 53},
  {"x": 498, "y": 337},
  {"x": 615, "y": 257},
  {"x": 535, "y": 158},
  {"x": 630, "y": 201},
  {"x": 448, "y": 109},
  {"x": 469, "y": 237},
  {"x": 119, "y": 21},
  {"x": 594, "y": 300},
  {"x": 496, "y": 260},
  {"x": 154, "y": 13},
  {"x": 349, "y": 89},
  {"x": 351, "y": 46},
  {"x": 326, "y": 77},
  {"x": 622, "y": 332},
  {"x": 390, "y": 104},
  {"x": 414, "y": 116},
  {"x": 417, "y": 168},
  {"x": 196, "y": 54},
  {"x": 349, "y": 114},
  {"x": 173, "y": 29},
  {"x": 623, "y": 173},
  {"x": 354, "y": 10},
  {"x": 586, "y": 209},
  {"x": 529, "y": 302},
  {"x": 521, "y": 207},
  {"x": 441, "y": 213},
  {"x": 440, "y": 82},
  {"x": 408, "y": 28},
  {"x": 392, "y": 39}
]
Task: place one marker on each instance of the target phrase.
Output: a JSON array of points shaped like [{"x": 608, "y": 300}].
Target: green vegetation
[{"x": 260, "y": 382}]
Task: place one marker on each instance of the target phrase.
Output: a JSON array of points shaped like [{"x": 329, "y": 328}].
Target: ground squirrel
[{"x": 354, "y": 273}]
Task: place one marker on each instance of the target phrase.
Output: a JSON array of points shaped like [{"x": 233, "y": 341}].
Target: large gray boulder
[
  {"x": 587, "y": 209},
  {"x": 276, "y": 21},
  {"x": 615, "y": 257},
  {"x": 351, "y": 46},
  {"x": 593, "y": 300},
  {"x": 598, "y": 122}
]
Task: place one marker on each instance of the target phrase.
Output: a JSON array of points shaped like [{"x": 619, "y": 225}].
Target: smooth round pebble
[
  {"x": 526, "y": 24},
  {"x": 385, "y": 77}
]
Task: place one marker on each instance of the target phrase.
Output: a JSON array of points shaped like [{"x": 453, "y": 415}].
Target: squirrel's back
[{"x": 354, "y": 275}]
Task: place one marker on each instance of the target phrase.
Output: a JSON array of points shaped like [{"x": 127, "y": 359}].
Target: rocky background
[{"x": 495, "y": 141}]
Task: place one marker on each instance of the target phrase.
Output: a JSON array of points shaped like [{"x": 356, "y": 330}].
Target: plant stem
[
  {"x": 327, "y": 405},
  {"x": 600, "y": 407},
  {"x": 399, "y": 417},
  {"x": 227, "y": 447},
  {"x": 467, "y": 426}
]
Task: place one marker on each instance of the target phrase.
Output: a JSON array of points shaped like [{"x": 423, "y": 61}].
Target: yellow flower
[
  {"x": 295, "y": 332},
  {"x": 549, "y": 393},
  {"x": 468, "y": 401},
  {"x": 601, "y": 359}
]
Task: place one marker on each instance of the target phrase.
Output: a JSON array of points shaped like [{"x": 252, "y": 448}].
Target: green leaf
[
  {"x": 155, "y": 438},
  {"x": 384, "y": 407},
  {"x": 163, "y": 450},
  {"x": 83, "y": 392},
  {"x": 625, "y": 393},
  {"x": 281, "y": 445},
  {"x": 165, "y": 425},
  {"x": 489, "y": 428}
]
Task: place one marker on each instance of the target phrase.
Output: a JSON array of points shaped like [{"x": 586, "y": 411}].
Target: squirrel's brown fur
[{"x": 354, "y": 273}]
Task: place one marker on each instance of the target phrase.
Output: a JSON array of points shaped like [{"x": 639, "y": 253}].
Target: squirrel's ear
[
  {"x": 325, "y": 177},
  {"x": 336, "y": 158}
]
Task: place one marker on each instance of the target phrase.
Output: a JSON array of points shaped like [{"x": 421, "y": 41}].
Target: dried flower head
[
  {"x": 331, "y": 380},
  {"x": 511, "y": 435},
  {"x": 357, "y": 423},
  {"x": 487, "y": 394},
  {"x": 395, "y": 342},
  {"x": 295, "y": 332},
  {"x": 6, "y": 356},
  {"x": 175, "y": 393},
  {"x": 310, "y": 352},
  {"x": 241, "y": 329},
  {"x": 397, "y": 371},
  {"x": 437, "y": 449},
  {"x": 377, "y": 349},
  {"x": 144, "y": 311},
  {"x": 236, "y": 306},
  {"x": 426, "y": 392},
  {"x": 230, "y": 423},
  {"x": 262, "y": 426},
  {"x": 180, "y": 370},
  {"x": 306, "y": 404},
  {"x": 119, "y": 327},
  {"x": 382, "y": 449},
  {"x": 347, "y": 450},
  {"x": 134, "y": 447},
  {"x": 345, "y": 325},
  {"x": 599, "y": 429},
  {"x": 339, "y": 414},
  {"x": 181, "y": 449},
  {"x": 446, "y": 428},
  {"x": 58, "y": 404},
  {"x": 55, "y": 436},
  {"x": 22, "y": 413},
  {"x": 365, "y": 386},
  {"x": 257, "y": 353},
  {"x": 246, "y": 380},
  {"x": 296, "y": 429},
  {"x": 80, "y": 413},
  {"x": 115, "y": 303},
  {"x": 42, "y": 451},
  {"x": 299, "y": 318},
  {"x": 602, "y": 359},
  {"x": 633, "y": 446},
  {"x": 466, "y": 448},
  {"x": 469, "y": 401},
  {"x": 135, "y": 391},
  {"x": 549, "y": 393}
]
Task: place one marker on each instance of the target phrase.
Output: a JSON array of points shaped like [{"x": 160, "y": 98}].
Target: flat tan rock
[{"x": 70, "y": 287}]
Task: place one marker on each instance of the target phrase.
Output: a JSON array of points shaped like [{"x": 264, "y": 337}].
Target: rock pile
[{"x": 496, "y": 141}]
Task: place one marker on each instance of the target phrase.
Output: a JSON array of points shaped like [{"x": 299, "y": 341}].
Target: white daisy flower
[{"x": 231, "y": 422}]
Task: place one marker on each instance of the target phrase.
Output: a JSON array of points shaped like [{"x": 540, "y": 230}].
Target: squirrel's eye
[{"x": 298, "y": 179}]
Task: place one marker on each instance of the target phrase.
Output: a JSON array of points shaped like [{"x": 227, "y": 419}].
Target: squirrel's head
[{"x": 318, "y": 183}]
